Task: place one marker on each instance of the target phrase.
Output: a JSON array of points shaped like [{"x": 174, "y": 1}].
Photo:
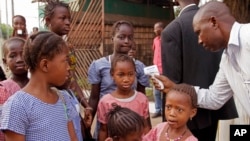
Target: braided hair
[
  {"x": 121, "y": 58},
  {"x": 117, "y": 25},
  {"x": 187, "y": 90},
  {"x": 123, "y": 121},
  {"x": 44, "y": 44}
]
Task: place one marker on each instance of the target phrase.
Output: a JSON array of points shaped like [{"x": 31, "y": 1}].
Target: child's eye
[
  {"x": 180, "y": 110},
  {"x": 12, "y": 56},
  {"x": 121, "y": 37},
  {"x": 168, "y": 107}
]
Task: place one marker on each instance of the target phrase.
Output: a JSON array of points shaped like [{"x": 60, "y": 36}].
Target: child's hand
[
  {"x": 168, "y": 84},
  {"x": 88, "y": 116}
]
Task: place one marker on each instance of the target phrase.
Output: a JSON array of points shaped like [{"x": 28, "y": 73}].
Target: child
[
  {"x": 181, "y": 106},
  {"x": 38, "y": 112},
  {"x": 123, "y": 74},
  {"x": 12, "y": 50},
  {"x": 124, "y": 124},
  {"x": 58, "y": 19},
  {"x": 19, "y": 27},
  {"x": 99, "y": 70},
  {"x": 74, "y": 102},
  {"x": 138, "y": 64}
]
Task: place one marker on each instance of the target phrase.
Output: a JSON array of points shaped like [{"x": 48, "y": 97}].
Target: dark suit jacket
[{"x": 185, "y": 61}]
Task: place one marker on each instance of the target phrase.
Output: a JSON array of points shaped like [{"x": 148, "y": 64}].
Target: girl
[
  {"x": 123, "y": 74},
  {"x": 13, "y": 60},
  {"x": 181, "y": 106},
  {"x": 19, "y": 27},
  {"x": 124, "y": 125},
  {"x": 38, "y": 112},
  {"x": 58, "y": 19},
  {"x": 99, "y": 70}
]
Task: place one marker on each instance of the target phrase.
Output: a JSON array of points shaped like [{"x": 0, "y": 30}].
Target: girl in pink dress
[
  {"x": 181, "y": 106},
  {"x": 123, "y": 74}
]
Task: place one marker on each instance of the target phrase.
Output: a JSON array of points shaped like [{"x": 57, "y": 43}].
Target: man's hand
[{"x": 168, "y": 84}]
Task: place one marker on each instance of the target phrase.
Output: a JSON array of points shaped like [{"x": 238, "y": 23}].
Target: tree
[{"x": 5, "y": 31}]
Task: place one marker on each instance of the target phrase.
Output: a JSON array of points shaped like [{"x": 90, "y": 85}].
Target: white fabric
[{"x": 233, "y": 75}]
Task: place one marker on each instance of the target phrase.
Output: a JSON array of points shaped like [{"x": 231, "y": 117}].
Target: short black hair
[
  {"x": 7, "y": 42},
  {"x": 121, "y": 58}
]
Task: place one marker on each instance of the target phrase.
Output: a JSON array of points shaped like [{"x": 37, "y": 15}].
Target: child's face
[
  {"x": 178, "y": 109},
  {"x": 132, "y": 52},
  {"x": 19, "y": 25},
  {"x": 13, "y": 57},
  {"x": 124, "y": 75},
  {"x": 58, "y": 68},
  {"x": 157, "y": 30},
  {"x": 60, "y": 21},
  {"x": 123, "y": 39}
]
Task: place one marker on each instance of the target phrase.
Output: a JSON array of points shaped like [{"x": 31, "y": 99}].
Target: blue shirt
[
  {"x": 25, "y": 114},
  {"x": 99, "y": 72}
]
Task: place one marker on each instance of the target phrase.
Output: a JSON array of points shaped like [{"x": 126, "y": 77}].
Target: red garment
[
  {"x": 157, "y": 53},
  {"x": 7, "y": 88}
]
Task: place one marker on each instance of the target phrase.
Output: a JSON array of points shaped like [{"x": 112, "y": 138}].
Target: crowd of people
[{"x": 40, "y": 100}]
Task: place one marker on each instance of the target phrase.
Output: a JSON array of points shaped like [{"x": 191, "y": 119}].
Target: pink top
[
  {"x": 155, "y": 133},
  {"x": 138, "y": 103},
  {"x": 7, "y": 88},
  {"x": 157, "y": 53}
]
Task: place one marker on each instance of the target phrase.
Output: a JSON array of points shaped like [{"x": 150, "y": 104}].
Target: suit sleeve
[{"x": 171, "y": 46}]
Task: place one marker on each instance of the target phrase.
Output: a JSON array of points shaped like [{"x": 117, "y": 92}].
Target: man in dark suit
[{"x": 185, "y": 61}]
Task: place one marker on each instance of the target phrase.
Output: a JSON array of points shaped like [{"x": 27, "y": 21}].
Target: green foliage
[{"x": 5, "y": 31}]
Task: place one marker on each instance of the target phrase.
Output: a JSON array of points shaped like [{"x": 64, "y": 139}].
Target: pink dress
[
  {"x": 138, "y": 103},
  {"x": 155, "y": 134},
  {"x": 7, "y": 88}
]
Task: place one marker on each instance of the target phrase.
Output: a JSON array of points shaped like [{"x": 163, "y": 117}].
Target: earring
[
  {"x": 191, "y": 118},
  {"x": 7, "y": 69}
]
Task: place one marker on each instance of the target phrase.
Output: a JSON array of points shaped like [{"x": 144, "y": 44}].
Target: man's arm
[
  {"x": 217, "y": 94},
  {"x": 213, "y": 98}
]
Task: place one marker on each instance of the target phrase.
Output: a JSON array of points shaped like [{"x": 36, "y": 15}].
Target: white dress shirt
[{"x": 233, "y": 77}]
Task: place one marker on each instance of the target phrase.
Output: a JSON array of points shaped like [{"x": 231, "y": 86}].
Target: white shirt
[{"x": 233, "y": 77}]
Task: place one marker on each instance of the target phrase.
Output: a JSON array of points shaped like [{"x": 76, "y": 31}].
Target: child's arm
[
  {"x": 13, "y": 136},
  {"x": 71, "y": 130},
  {"x": 103, "y": 133},
  {"x": 94, "y": 97}
]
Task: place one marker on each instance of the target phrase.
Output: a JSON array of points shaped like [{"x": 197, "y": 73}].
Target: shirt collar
[
  {"x": 185, "y": 8},
  {"x": 234, "y": 35}
]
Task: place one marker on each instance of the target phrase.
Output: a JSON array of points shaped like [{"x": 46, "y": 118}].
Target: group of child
[{"x": 45, "y": 107}]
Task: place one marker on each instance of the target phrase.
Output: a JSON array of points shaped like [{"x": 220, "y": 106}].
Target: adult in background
[
  {"x": 185, "y": 61},
  {"x": 158, "y": 27}
]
